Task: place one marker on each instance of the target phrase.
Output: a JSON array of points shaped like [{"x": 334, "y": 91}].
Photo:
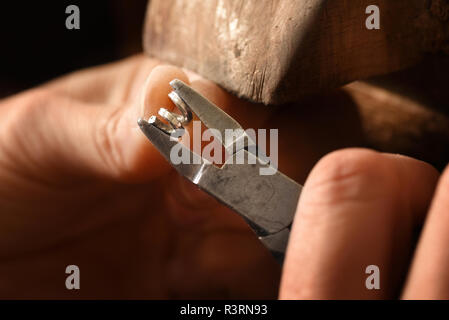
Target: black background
[
  {"x": 36, "y": 46},
  {"x": 277, "y": 309}
]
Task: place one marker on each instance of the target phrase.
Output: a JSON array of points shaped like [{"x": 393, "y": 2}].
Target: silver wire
[{"x": 175, "y": 121}]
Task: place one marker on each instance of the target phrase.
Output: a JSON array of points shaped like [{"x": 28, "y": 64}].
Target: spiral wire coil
[{"x": 176, "y": 121}]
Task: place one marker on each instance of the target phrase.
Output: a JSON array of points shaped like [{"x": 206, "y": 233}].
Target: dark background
[{"x": 36, "y": 46}]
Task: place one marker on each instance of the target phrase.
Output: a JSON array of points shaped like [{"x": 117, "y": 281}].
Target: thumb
[{"x": 44, "y": 133}]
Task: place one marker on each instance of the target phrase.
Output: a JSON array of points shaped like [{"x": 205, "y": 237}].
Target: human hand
[
  {"x": 80, "y": 184},
  {"x": 361, "y": 208}
]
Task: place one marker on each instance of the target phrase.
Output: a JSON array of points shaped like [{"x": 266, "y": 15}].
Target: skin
[
  {"x": 361, "y": 208},
  {"x": 80, "y": 184}
]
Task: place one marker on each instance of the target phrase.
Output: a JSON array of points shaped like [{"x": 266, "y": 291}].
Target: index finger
[{"x": 113, "y": 83}]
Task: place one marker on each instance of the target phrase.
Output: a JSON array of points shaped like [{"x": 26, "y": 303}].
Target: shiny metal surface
[{"x": 266, "y": 202}]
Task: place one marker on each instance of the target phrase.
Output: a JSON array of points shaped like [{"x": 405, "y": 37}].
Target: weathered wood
[
  {"x": 275, "y": 51},
  {"x": 392, "y": 122}
]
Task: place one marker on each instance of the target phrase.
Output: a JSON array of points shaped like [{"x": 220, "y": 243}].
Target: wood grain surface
[{"x": 276, "y": 51}]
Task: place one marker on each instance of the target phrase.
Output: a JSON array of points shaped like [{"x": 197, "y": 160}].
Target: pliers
[{"x": 266, "y": 202}]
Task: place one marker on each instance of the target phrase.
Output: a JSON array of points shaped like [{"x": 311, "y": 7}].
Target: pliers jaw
[{"x": 267, "y": 203}]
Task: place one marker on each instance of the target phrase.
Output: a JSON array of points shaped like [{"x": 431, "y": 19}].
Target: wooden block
[
  {"x": 275, "y": 51},
  {"x": 394, "y": 123}
]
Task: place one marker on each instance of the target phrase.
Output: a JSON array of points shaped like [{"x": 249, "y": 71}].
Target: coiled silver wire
[{"x": 175, "y": 121}]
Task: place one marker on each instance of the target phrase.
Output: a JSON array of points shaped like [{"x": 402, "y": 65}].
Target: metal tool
[{"x": 266, "y": 202}]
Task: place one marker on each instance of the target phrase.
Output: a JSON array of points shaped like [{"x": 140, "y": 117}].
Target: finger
[
  {"x": 47, "y": 131},
  {"x": 357, "y": 208},
  {"x": 429, "y": 274},
  {"x": 113, "y": 83}
]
